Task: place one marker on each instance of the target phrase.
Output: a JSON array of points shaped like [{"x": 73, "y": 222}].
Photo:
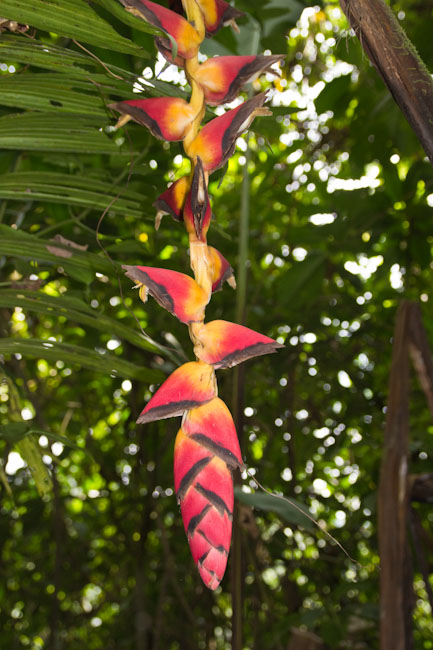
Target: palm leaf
[
  {"x": 48, "y": 132},
  {"x": 52, "y": 92},
  {"x": 15, "y": 243},
  {"x": 72, "y": 190},
  {"x": 79, "y": 356},
  {"x": 75, "y": 310},
  {"x": 19, "y": 49},
  {"x": 71, "y": 18}
]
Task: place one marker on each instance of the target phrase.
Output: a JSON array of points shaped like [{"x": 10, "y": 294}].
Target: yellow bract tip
[
  {"x": 123, "y": 119},
  {"x": 158, "y": 219},
  {"x": 142, "y": 292},
  {"x": 234, "y": 26}
]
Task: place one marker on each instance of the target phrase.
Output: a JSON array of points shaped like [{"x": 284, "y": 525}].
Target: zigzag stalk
[{"x": 207, "y": 447}]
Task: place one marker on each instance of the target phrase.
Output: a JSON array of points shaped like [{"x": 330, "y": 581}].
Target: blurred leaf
[
  {"x": 72, "y": 189},
  {"x": 5, "y": 482},
  {"x": 278, "y": 505},
  {"x": 303, "y": 280},
  {"x": 31, "y": 453},
  {"x": 16, "y": 431},
  {"x": 392, "y": 184},
  {"x": 75, "y": 310},
  {"x": 420, "y": 250},
  {"x": 334, "y": 96},
  {"x": 13, "y": 431},
  {"x": 57, "y": 438},
  {"x": 79, "y": 356}
]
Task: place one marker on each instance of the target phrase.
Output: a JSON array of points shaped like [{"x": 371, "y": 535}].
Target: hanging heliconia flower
[{"x": 207, "y": 447}]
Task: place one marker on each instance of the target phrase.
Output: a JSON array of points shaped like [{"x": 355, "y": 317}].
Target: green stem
[
  {"x": 238, "y": 402},
  {"x": 244, "y": 233},
  {"x": 237, "y": 578}
]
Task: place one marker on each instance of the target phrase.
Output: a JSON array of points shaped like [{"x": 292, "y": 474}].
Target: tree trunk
[
  {"x": 387, "y": 46},
  {"x": 393, "y": 497}
]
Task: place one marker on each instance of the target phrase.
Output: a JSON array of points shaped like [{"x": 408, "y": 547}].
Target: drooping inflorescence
[{"x": 207, "y": 447}]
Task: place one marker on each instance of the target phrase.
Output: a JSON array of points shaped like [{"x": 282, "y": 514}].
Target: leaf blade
[
  {"x": 278, "y": 505},
  {"x": 70, "y": 18},
  {"x": 74, "y": 310},
  {"x": 55, "y": 133},
  {"x": 79, "y": 355}
]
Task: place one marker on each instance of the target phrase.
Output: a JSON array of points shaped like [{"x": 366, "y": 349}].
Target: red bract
[
  {"x": 212, "y": 426},
  {"x": 172, "y": 200},
  {"x": 225, "y": 344},
  {"x": 221, "y": 270},
  {"x": 186, "y": 37},
  {"x": 176, "y": 292},
  {"x": 188, "y": 386},
  {"x": 222, "y": 77},
  {"x": 217, "y": 14},
  {"x": 217, "y": 140},
  {"x": 204, "y": 488},
  {"x": 167, "y": 118}
]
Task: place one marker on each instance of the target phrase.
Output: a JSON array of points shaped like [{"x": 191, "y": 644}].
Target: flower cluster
[{"x": 207, "y": 447}]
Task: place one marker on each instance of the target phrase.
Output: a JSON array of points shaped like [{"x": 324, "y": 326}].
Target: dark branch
[{"x": 398, "y": 63}]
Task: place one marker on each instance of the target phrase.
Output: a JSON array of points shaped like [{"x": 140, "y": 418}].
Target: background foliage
[{"x": 340, "y": 233}]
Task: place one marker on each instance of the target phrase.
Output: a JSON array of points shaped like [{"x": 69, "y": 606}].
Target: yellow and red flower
[
  {"x": 172, "y": 200},
  {"x": 212, "y": 426},
  {"x": 216, "y": 142},
  {"x": 222, "y": 77},
  {"x": 187, "y": 38},
  {"x": 225, "y": 344},
  {"x": 207, "y": 448},
  {"x": 217, "y": 14},
  {"x": 188, "y": 386},
  {"x": 221, "y": 270},
  {"x": 204, "y": 488},
  {"x": 167, "y": 118},
  {"x": 176, "y": 292}
]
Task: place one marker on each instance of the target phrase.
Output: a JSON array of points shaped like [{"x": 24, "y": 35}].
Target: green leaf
[
  {"x": 52, "y": 92},
  {"x": 13, "y": 431},
  {"x": 20, "y": 49},
  {"x": 70, "y": 18},
  {"x": 304, "y": 279},
  {"x": 57, "y": 438},
  {"x": 75, "y": 310},
  {"x": 83, "y": 191},
  {"x": 79, "y": 356},
  {"x": 15, "y": 243},
  {"x": 30, "y": 451},
  {"x": 334, "y": 96},
  {"x": 126, "y": 17},
  {"x": 76, "y": 65},
  {"x": 4, "y": 480},
  {"x": 48, "y": 132},
  {"x": 280, "y": 506}
]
